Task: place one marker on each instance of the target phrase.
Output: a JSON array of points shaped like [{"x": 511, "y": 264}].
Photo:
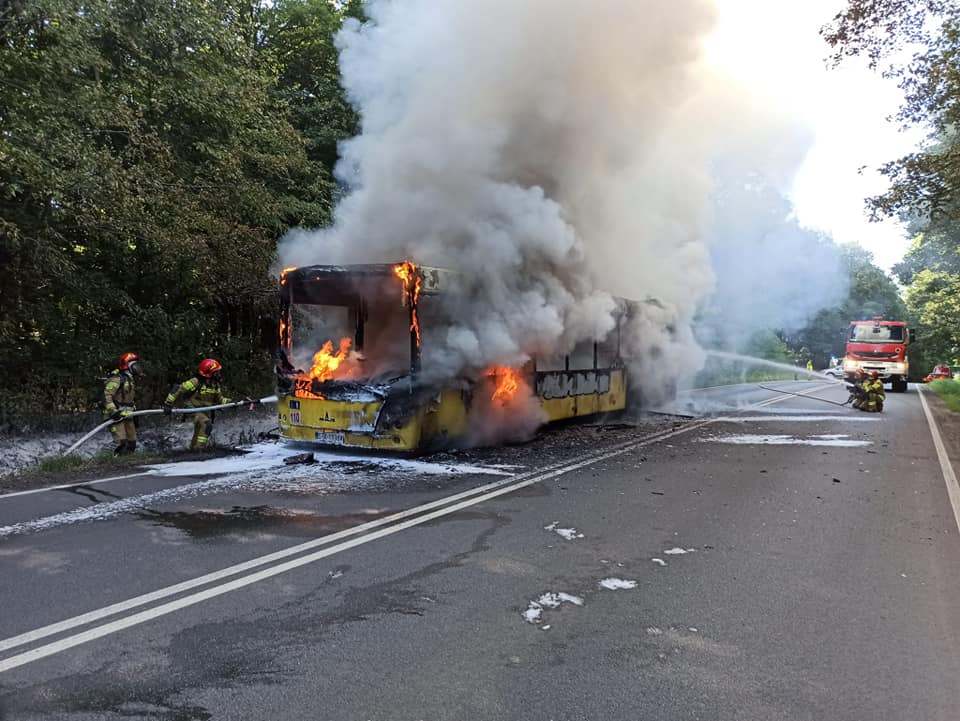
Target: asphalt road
[{"x": 795, "y": 560}]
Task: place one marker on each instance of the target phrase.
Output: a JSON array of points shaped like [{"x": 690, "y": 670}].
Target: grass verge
[
  {"x": 72, "y": 464},
  {"x": 949, "y": 392}
]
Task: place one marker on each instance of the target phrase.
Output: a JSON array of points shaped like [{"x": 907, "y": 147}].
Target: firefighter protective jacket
[
  {"x": 118, "y": 391},
  {"x": 196, "y": 393}
]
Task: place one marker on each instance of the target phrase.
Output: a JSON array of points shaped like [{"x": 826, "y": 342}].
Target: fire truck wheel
[{"x": 899, "y": 385}]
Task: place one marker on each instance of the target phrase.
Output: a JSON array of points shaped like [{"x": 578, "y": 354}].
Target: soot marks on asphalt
[
  {"x": 471, "y": 515},
  {"x": 112, "y": 691},
  {"x": 254, "y": 648},
  {"x": 534, "y": 490},
  {"x": 94, "y": 495},
  {"x": 203, "y": 524}
]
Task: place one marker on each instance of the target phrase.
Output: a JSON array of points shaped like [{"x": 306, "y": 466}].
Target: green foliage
[
  {"x": 74, "y": 464},
  {"x": 918, "y": 43},
  {"x": 949, "y": 391},
  {"x": 151, "y": 153}
]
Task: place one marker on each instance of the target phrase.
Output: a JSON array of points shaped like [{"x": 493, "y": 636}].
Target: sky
[{"x": 774, "y": 48}]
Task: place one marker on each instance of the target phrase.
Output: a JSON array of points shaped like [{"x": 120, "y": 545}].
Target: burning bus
[{"x": 354, "y": 367}]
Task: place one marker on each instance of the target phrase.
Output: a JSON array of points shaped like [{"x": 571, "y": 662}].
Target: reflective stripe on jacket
[
  {"x": 195, "y": 393},
  {"x": 118, "y": 391}
]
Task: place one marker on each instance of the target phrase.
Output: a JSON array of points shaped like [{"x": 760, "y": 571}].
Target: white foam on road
[
  {"x": 617, "y": 584},
  {"x": 533, "y": 613},
  {"x": 784, "y": 440},
  {"x": 263, "y": 456},
  {"x": 797, "y": 419},
  {"x": 551, "y": 599},
  {"x": 677, "y": 551},
  {"x": 659, "y": 561},
  {"x": 781, "y": 411},
  {"x": 568, "y": 534},
  {"x": 261, "y": 470}
]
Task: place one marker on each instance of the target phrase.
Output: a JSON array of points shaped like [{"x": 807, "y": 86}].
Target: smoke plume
[{"x": 554, "y": 151}]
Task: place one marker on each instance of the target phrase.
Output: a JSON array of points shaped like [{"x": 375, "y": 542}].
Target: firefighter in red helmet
[
  {"x": 200, "y": 391},
  {"x": 119, "y": 389}
]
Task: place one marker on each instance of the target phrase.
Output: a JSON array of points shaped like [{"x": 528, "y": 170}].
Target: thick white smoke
[{"x": 556, "y": 151}]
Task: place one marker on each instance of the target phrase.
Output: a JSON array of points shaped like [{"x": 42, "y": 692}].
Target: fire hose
[
  {"x": 801, "y": 395},
  {"x": 158, "y": 411}
]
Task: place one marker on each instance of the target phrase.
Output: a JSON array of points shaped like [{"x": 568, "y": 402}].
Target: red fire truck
[{"x": 879, "y": 345}]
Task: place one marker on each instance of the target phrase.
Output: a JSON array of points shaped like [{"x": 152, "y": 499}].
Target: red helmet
[
  {"x": 209, "y": 367},
  {"x": 126, "y": 360},
  {"x": 874, "y": 374}
]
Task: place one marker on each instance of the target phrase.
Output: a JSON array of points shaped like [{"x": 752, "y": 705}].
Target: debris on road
[
  {"x": 299, "y": 458},
  {"x": 568, "y": 534},
  {"x": 617, "y": 584},
  {"x": 659, "y": 561},
  {"x": 551, "y": 599}
]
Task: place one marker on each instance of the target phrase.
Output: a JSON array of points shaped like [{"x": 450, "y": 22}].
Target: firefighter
[
  {"x": 858, "y": 392},
  {"x": 867, "y": 392},
  {"x": 118, "y": 402},
  {"x": 810, "y": 366},
  {"x": 200, "y": 391},
  {"x": 875, "y": 393}
]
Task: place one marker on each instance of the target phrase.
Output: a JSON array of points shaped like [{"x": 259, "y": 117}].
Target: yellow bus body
[{"x": 443, "y": 420}]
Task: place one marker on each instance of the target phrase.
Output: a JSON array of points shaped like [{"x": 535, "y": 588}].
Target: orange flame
[
  {"x": 507, "y": 382},
  {"x": 283, "y": 274},
  {"x": 326, "y": 361},
  {"x": 412, "y": 285}
]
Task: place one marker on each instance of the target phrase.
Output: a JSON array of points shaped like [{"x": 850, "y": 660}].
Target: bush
[{"x": 949, "y": 391}]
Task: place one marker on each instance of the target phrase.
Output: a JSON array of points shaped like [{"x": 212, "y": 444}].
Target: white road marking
[
  {"x": 473, "y": 496},
  {"x": 799, "y": 419},
  {"x": 119, "y": 607},
  {"x": 946, "y": 467},
  {"x": 4, "y": 496},
  {"x": 783, "y": 440}
]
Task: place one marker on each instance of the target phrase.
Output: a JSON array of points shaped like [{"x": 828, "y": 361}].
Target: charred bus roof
[{"x": 323, "y": 283}]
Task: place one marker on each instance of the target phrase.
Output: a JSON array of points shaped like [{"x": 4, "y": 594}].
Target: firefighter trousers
[
  {"x": 202, "y": 429},
  {"x": 124, "y": 431}
]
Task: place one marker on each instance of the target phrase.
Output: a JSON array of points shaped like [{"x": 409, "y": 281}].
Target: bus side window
[
  {"x": 557, "y": 362},
  {"x": 581, "y": 357},
  {"x": 607, "y": 351}
]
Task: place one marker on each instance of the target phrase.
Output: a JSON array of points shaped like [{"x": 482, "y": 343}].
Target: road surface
[{"x": 784, "y": 560}]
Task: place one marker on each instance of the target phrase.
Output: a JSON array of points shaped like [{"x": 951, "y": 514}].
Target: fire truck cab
[{"x": 879, "y": 345}]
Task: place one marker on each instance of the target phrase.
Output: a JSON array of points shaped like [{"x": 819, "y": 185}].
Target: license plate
[{"x": 332, "y": 437}]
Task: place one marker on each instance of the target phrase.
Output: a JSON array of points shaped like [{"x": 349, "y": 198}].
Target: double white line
[{"x": 335, "y": 543}]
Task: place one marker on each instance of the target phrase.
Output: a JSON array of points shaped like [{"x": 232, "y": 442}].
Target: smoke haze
[{"x": 558, "y": 151}]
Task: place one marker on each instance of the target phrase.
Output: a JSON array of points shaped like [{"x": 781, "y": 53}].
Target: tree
[
  {"x": 934, "y": 301},
  {"x": 149, "y": 160},
  {"x": 925, "y": 183},
  {"x": 299, "y": 36}
]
